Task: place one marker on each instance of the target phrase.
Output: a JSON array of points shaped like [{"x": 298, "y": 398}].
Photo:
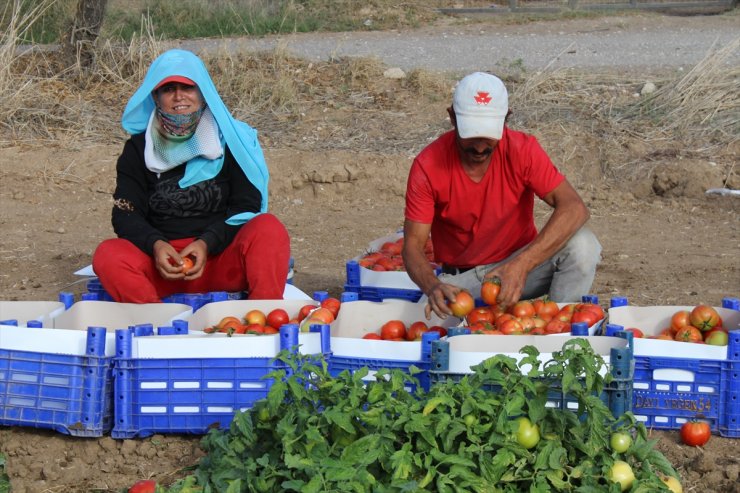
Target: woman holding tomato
[
  {"x": 190, "y": 204},
  {"x": 473, "y": 190}
]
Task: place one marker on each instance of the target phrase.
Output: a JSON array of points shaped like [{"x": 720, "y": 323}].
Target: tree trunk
[{"x": 84, "y": 31}]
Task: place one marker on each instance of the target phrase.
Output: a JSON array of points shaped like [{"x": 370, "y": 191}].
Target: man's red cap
[{"x": 175, "y": 78}]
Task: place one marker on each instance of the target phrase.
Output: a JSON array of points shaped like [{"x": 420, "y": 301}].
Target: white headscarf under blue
[{"x": 240, "y": 137}]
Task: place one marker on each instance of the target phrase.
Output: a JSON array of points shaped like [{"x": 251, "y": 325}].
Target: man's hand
[
  {"x": 438, "y": 297},
  {"x": 513, "y": 276}
]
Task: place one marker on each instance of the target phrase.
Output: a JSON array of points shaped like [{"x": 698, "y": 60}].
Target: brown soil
[{"x": 665, "y": 243}]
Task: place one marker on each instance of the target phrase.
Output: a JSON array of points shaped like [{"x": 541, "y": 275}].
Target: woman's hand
[
  {"x": 167, "y": 261},
  {"x": 198, "y": 251}
]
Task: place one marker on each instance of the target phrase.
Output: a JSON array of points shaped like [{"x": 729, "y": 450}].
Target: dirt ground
[{"x": 665, "y": 243}]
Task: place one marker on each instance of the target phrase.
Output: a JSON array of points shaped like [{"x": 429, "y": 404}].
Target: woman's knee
[{"x": 266, "y": 227}]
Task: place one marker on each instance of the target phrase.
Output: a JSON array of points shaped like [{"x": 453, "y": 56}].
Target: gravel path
[{"x": 641, "y": 41}]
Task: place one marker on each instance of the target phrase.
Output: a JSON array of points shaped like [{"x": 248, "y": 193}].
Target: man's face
[{"x": 476, "y": 150}]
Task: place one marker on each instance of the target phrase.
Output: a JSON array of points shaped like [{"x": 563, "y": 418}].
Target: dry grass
[{"x": 347, "y": 103}]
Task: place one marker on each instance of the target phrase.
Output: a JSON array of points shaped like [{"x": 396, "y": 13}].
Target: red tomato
[
  {"x": 689, "y": 334},
  {"x": 304, "y": 311},
  {"x": 144, "y": 486},
  {"x": 704, "y": 317},
  {"x": 277, "y": 318},
  {"x": 332, "y": 304},
  {"x": 481, "y": 326},
  {"x": 587, "y": 316},
  {"x": 463, "y": 304},
  {"x": 556, "y": 326},
  {"x": 592, "y": 307},
  {"x": 636, "y": 332},
  {"x": 269, "y": 329},
  {"x": 323, "y": 314},
  {"x": 415, "y": 331},
  {"x": 680, "y": 319},
  {"x": 393, "y": 329},
  {"x": 490, "y": 289},
  {"x": 391, "y": 248},
  {"x": 439, "y": 329},
  {"x": 545, "y": 308},
  {"x": 565, "y": 313},
  {"x": 695, "y": 433},
  {"x": 254, "y": 329},
  {"x": 371, "y": 335},
  {"x": 227, "y": 322},
  {"x": 511, "y": 327},
  {"x": 481, "y": 313},
  {"x": 522, "y": 309}
]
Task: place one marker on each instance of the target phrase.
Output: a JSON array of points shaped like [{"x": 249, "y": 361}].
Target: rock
[
  {"x": 648, "y": 88},
  {"x": 394, "y": 73}
]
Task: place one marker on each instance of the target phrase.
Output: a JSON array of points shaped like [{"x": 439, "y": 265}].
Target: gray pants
[{"x": 565, "y": 277}]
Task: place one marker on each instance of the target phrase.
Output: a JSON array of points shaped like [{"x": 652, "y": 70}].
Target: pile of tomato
[
  {"x": 388, "y": 257},
  {"x": 396, "y": 330},
  {"x": 258, "y": 322},
  {"x": 702, "y": 325},
  {"x": 537, "y": 317}
]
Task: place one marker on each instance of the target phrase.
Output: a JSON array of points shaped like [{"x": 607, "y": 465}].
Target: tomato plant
[
  {"x": 393, "y": 329},
  {"x": 489, "y": 290},
  {"x": 277, "y": 318},
  {"x": 462, "y": 305},
  {"x": 695, "y": 433},
  {"x": 527, "y": 433},
  {"x": 620, "y": 442}
]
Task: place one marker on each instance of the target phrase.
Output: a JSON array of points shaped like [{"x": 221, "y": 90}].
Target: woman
[{"x": 190, "y": 205}]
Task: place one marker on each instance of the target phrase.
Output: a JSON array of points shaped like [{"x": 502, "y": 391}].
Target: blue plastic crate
[
  {"x": 72, "y": 394},
  {"x": 193, "y": 394},
  {"x": 669, "y": 391},
  {"x": 338, "y": 364},
  {"x": 617, "y": 394},
  {"x": 400, "y": 290}
]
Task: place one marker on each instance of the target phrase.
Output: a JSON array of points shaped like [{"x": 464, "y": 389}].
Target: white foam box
[
  {"x": 210, "y": 314},
  {"x": 470, "y": 350},
  {"x": 651, "y": 320},
  {"x": 384, "y": 279},
  {"x": 24, "y": 311},
  {"x": 357, "y": 318}
]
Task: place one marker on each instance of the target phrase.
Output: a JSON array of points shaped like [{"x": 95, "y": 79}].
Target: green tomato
[
  {"x": 527, "y": 434},
  {"x": 620, "y": 442},
  {"x": 621, "y": 473},
  {"x": 470, "y": 420}
]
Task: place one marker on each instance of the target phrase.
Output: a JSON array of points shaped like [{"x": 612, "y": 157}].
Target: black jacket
[{"x": 150, "y": 206}]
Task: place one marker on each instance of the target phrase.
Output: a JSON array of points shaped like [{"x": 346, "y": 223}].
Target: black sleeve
[
  {"x": 243, "y": 197},
  {"x": 131, "y": 198}
]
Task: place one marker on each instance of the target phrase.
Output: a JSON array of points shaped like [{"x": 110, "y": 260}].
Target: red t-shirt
[{"x": 479, "y": 223}]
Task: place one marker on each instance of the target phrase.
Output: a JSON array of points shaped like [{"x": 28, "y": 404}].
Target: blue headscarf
[{"x": 240, "y": 137}]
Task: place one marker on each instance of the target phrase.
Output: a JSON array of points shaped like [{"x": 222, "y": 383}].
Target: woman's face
[{"x": 178, "y": 99}]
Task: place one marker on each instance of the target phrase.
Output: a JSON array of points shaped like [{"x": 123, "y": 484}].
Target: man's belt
[{"x": 449, "y": 269}]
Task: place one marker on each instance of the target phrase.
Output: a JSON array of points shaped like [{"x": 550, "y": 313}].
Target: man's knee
[{"x": 584, "y": 248}]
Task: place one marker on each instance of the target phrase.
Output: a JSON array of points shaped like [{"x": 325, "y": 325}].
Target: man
[{"x": 473, "y": 190}]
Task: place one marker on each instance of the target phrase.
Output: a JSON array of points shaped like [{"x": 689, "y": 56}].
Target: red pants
[{"x": 256, "y": 262}]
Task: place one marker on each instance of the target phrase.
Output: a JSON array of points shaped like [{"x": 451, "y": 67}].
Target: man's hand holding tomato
[
  {"x": 438, "y": 297},
  {"x": 513, "y": 276}
]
